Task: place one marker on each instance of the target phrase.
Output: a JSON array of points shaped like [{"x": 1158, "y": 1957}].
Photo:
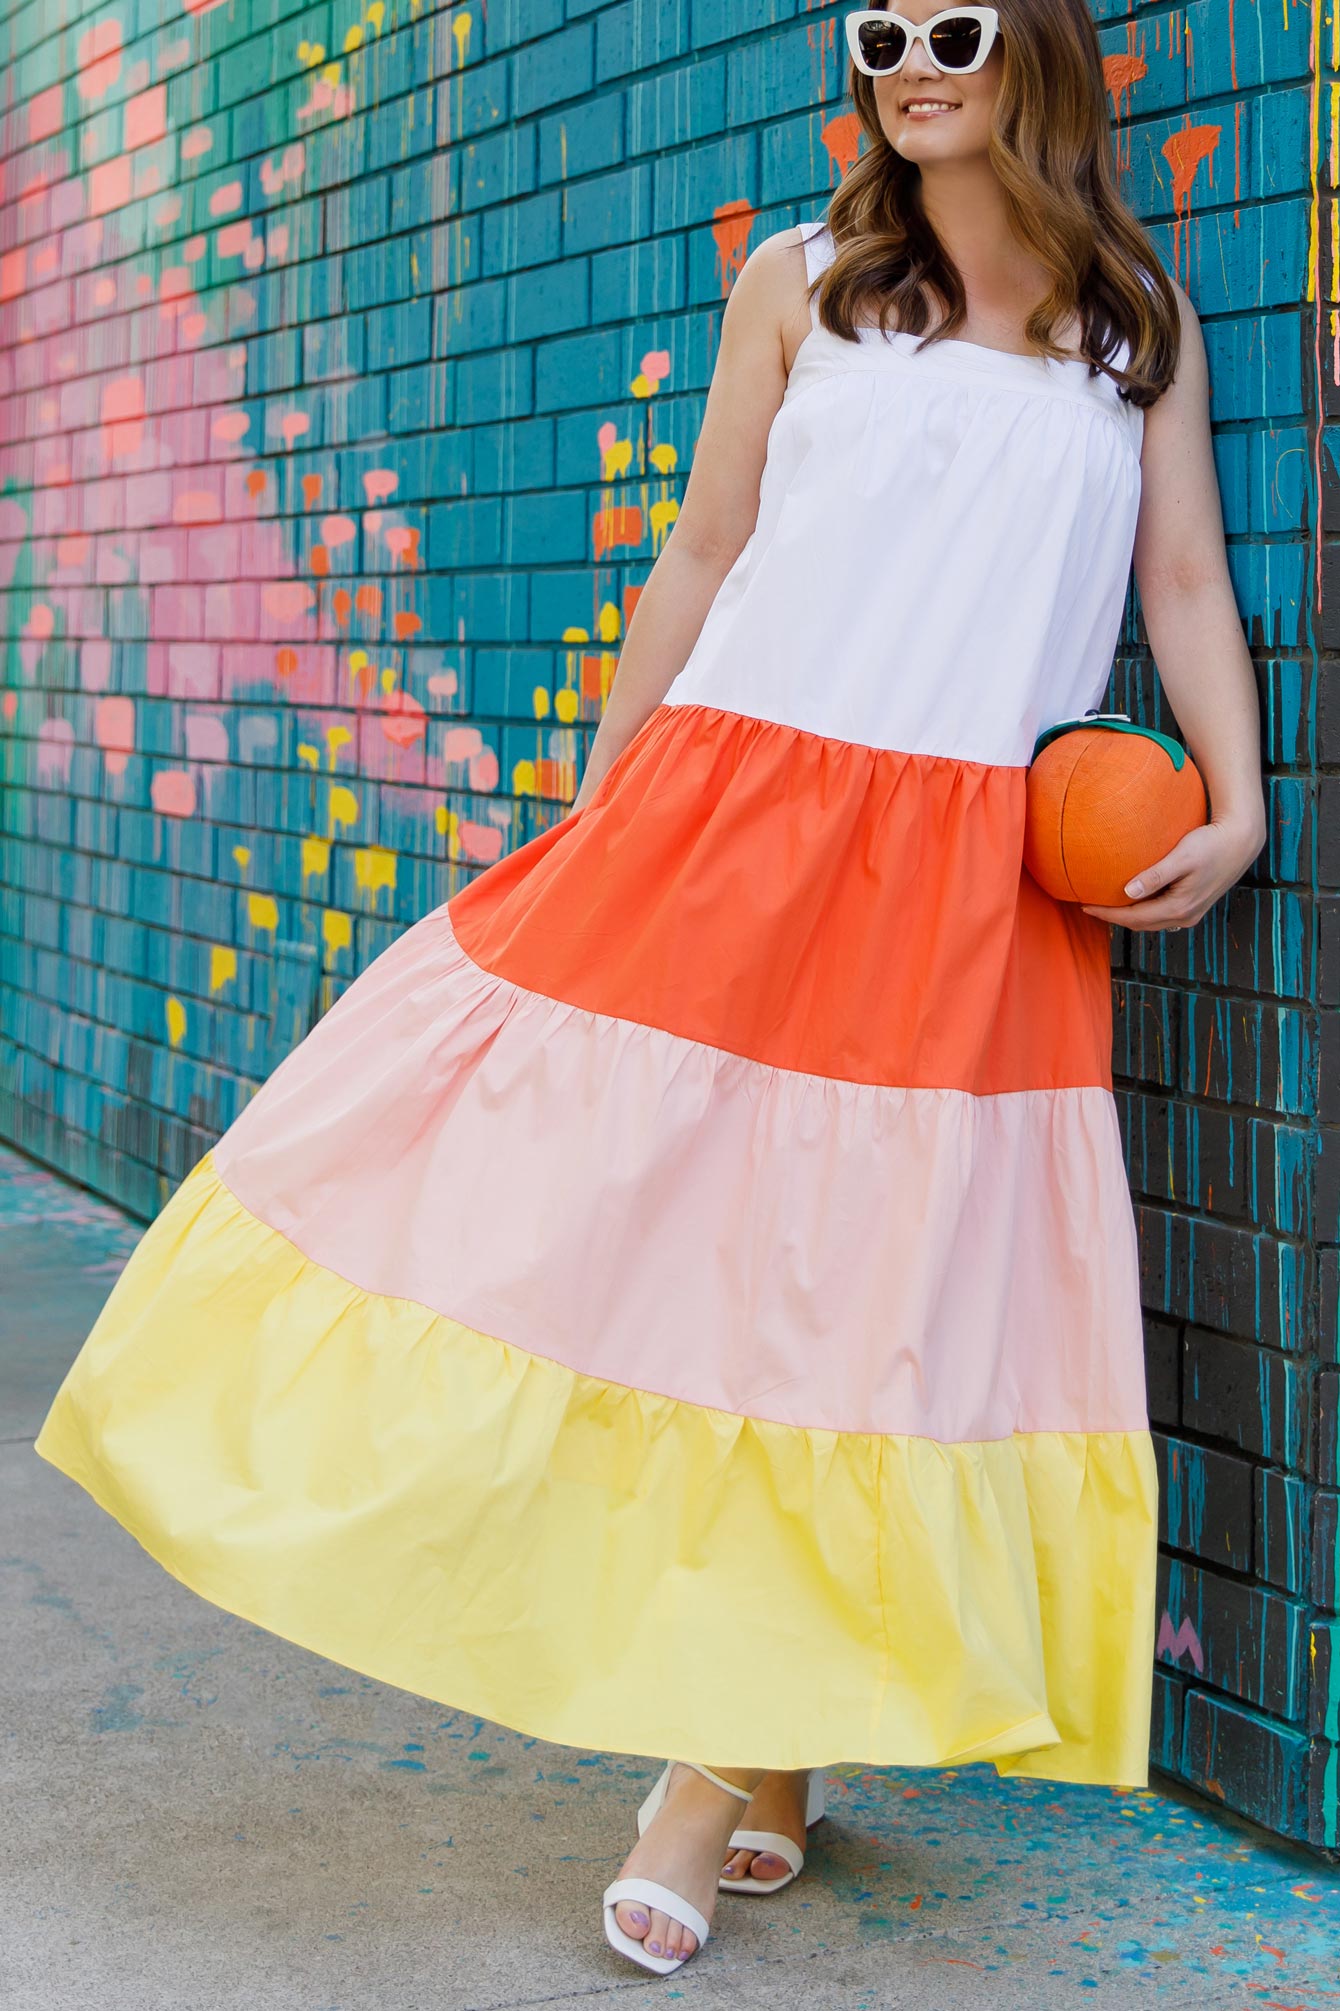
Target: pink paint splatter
[
  {"x": 172, "y": 792},
  {"x": 379, "y": 485},
  {"x": 480, "y": 842},
  {"x": 146, "y": 117},
  {"x": 55, "y": 750},
  {"x": 98, "y": 57},
  {"x": 95, "y": 663},
  {"x": 1183, "y": 1641},
  {"x": 114, "y": 732}
]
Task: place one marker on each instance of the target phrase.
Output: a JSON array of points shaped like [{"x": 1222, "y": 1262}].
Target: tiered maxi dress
[{"x": 682, "y": 1298}]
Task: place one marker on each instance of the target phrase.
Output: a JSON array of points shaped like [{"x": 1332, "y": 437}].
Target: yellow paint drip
[
  {"x": 540, "y": 700},
  {"x": 608, "y": 625},
  {"x": 374, "y": 868},
  {"x": 315, "y": 856},
  {"x": 664, "y": 457},
  {"x": 176, "y": 1022},
  {"x": 336, "y": 738},
  {"x": 663, "y": 517},
  {"x": 337, "y": 930},
  {"x": 309, "y": 754},
  {"x": 576, "y": 635},
  {"x": 523, "y": 778},
  {"x": 263, "y": 911},
  {"x": 242, "y": 854},
  {"x": 222, "y": 966},
  {"x": 343, "y": 807},
  {"x": 566, "y": 705},
  {"x": 617, "y": 460}
]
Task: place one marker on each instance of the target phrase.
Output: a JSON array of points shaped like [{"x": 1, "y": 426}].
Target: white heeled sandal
[
  {"x": 751, "y": 1839},
  {"x": 780, "y": 1846},
  {"x": 660, "y": 1896}
]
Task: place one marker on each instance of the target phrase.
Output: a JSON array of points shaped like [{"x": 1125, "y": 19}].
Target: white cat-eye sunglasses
[{"x": 957, "y": 40}]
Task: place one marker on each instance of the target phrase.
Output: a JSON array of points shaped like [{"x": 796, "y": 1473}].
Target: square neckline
[{"x": 816, "y": 228}]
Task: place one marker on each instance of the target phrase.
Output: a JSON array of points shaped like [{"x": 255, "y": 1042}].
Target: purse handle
[{"x": 1112, "y": 722}]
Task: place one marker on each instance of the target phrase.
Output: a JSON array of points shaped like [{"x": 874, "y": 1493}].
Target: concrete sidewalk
[{"x": 201, "y": 1817}]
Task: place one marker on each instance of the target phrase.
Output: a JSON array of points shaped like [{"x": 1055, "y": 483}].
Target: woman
[{"x": 682, "y": 1298}]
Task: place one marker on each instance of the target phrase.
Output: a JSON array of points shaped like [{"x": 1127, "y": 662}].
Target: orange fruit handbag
[{"x": 1106, "y": 798}]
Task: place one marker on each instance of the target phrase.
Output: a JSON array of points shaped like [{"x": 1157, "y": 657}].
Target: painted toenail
[
  {"x": 638, "y": 1919},
  {"x": 655, "y": 1947}
]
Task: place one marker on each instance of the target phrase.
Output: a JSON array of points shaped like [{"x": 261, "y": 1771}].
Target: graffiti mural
[{"x": 351, "y": 361}]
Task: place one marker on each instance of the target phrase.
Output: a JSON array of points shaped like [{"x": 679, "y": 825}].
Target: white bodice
[{"x": 942, "y": 550}]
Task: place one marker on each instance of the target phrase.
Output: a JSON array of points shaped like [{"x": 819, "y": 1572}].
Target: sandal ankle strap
[{"x": 744, "y": 1794}]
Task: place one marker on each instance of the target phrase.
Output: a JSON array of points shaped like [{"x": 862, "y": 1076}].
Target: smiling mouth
[{"x": 925, "y": 107}]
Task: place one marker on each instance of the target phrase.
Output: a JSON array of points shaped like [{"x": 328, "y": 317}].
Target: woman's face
[{"x": 926, "y": 135}]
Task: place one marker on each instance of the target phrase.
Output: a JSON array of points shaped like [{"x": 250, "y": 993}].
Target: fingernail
[{"x": 1135, "y": 888}]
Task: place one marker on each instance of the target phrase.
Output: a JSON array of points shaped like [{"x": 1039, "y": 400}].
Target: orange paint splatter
[
  {"x": 731, "y": 225},
  {"x": 842, "y": 141},
  {"x": 618, "y": 525},
  {"x": 1121, "y": 71},
  {"x": 1184, "y": 151}
]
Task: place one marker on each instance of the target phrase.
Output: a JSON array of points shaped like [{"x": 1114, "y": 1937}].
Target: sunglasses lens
[
  {"x": 882, "y": 43},
  {"x": 955, "y": 42}
]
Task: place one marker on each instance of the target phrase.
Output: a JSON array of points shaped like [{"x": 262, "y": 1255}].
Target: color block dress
[{"x": 682, "y": 1298}]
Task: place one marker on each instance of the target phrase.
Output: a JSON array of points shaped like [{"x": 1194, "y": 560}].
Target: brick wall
[{"x": 351, "y": 361}]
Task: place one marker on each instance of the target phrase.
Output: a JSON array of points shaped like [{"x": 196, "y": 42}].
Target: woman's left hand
[{"x": 1178, "y": 889}]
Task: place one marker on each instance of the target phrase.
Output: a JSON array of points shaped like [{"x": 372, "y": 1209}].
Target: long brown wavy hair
[{"x": 1051, "y": 147}]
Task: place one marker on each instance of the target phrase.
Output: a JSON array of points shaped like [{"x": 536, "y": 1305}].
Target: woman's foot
[
  {"x": 779, "y": 1805},
  {"x": 682, "y": 1848}
]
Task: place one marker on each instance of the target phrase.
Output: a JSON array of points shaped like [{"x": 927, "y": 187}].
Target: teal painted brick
[
  {"x": 691, "y": 186},
  {"x": 550, "y": 301},
  {"x": 461, "y": 274},
  {"x": 608, "y": 209},
  {"x": 591, "y": 369},
  {"x": 582, "y": 139},
  {"x": 494, "y": 386},
  {"x": 498, "y": 167},
  {"x": 636, "y": 281},
  {"x": 557, "y": 524},
  {"x": 1266, "y": 47},
  {"x": 514, "y": 456},
  {"x": 522, "y": 234},
  {"x": 677, "y": 106}
]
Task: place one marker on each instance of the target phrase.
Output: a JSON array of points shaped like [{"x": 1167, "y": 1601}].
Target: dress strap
[{"x": 820, "y": 251}]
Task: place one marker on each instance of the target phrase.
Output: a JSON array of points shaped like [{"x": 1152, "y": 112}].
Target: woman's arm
[
  {"x": 720, "y": 505},
  {"x": 1196, "y": 635}
]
